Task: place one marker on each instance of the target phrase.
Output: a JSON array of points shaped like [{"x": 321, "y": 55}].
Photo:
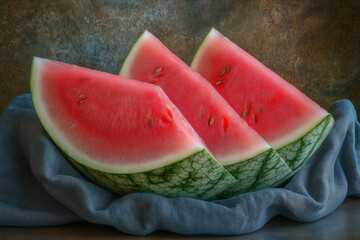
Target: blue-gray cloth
[{"x": 38, "y": 187}]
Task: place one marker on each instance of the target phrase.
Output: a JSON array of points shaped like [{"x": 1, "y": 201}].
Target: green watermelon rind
[
  {"x": 263, "y": 171},
  {"x": 197, "y": 176},
  {"x": 297, "y": 153}
]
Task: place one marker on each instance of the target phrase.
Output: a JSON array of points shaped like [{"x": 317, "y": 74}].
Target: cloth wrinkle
[{"x": 39, "y": 187}]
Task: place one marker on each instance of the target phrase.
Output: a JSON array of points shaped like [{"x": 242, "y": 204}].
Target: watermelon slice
[
  {"x": 124, "y": 135},
  {"x": 233, "y": 143},
  {"x": 288, "y": 120}
]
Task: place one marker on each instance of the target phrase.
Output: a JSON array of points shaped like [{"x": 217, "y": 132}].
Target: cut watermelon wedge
[
  {"x": 126, "y": 136},
  {"x": 290, "y": 122},
  {"x": 233, "y": 143}
]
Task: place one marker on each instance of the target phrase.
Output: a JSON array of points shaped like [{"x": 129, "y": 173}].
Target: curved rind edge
[
  {"x": 197, "y": 176},
  {"x": 297, "y": 153},
  {"x": 128, "y": 60},
  {"x": 199, "y": 50},
  {"x": 263, "y": 171}
]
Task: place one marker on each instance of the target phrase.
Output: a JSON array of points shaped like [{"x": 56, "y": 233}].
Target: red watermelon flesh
[
  {"x": 227, "y": 136},
  {"x": 270, "y": 105},
  {"x": 123, "y": 135},
  {"x": 232, "y": 142},
  {"x": 287, "y": 119},
  {"x": 114, "y": 121}
]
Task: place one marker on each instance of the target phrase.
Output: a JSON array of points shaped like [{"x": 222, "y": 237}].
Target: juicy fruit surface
[
  {"x": 226, "y": 135},
  {"x": 274, "y": 108},
  {"x": 222, "y": 129},
  {"x": 82, "y": 108},
  {"x": 183, "y": 178},
  {"x": 289, "y": 121},
  {"x": 109, "y": 120}
]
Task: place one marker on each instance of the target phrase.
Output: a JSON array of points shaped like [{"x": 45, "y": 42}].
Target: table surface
[{"x": 343, "y": 223}]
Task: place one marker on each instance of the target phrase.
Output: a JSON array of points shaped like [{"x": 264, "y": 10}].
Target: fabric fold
[{"x": 39, "y": 187}]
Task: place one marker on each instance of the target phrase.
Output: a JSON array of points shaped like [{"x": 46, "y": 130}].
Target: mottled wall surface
[{"x": 312, "y": 44}]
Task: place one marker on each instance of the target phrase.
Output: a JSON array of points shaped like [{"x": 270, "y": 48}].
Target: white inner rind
[
  {"x": 199, "y": 52},
  {"x": 62, "y": 142},
  {"x": 124, "y": 71},
  {"x": 237, "y": 158},
  {"x": 285, "y": 140},
  {"x": 298, "y": 132}
]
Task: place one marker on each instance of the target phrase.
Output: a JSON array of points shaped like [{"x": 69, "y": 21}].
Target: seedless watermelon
[
  {"x": 288, "y": 120},
  {"x": 124, "y": 135},
  {"x": 233, "y": 143}
]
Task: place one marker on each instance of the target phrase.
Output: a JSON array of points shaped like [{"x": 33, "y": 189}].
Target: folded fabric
[{"x": 38, "y": 187}]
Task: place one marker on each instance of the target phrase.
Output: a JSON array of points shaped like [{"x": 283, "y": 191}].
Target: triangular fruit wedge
[
  {"x": 126, "y": 136},
  {"x": 232, "y": 142},
  {"x": 289, "y": 121}
]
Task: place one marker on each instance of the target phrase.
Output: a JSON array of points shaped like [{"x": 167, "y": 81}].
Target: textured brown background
[{"x": 312, "y": 44}]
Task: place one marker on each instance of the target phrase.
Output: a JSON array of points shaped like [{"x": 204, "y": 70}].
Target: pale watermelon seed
[
  {"x": 81, "y": 101},
  {"x": 81, "y": 96},
  {"x": 227, "y": 68},
  {"x": 82, "y": 80},
  {"x": 243, "y": 114},
  {"x": 158, "y": 70},
  {"x": 218, "y": 82},
  {"x": 211, "y": 121},
  {"x": 222, "y": 73},
  {"x": 151, "y": 122}
]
